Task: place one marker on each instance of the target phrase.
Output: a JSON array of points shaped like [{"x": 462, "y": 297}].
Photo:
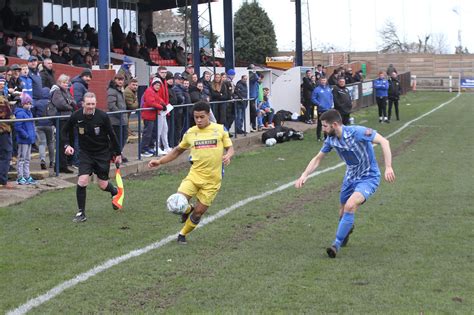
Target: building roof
[{"x": 156, "y": 5}]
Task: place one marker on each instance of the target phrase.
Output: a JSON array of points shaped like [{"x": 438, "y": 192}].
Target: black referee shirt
[{"x": 95, "y": 132}]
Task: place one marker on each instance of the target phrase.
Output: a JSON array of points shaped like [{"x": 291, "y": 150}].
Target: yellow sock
[{"x": 188, "y": 227}]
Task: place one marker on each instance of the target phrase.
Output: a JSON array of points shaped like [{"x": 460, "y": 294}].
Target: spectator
[
  {"x": 64, "y": 103},
  {"x": 348, "y": 75},
  {"x": 150, "y": 38},
  {"x": 394, "y": 92},
  {"x": 308, "y": 88},
  {"x": 322, "y": 97},
  {"x": 46, "y": 53},
  {"x": 194, "y": 80},
  {"x": 180, "y": 88},
  {"x": 19, "y": 50},
  {"x": 79, "y": 59},
  {"x": 241, "y": 93},
  {"x": 3, "y": 60},
  {"x": 117, "y": 34},
  {"x": 227, "y": 80},
  {"x": 359, "y": 76},
  {"x": 36, "y": 52},
  {"x": 55, "y": 56},
  {"x": 381, "y": 95},
  {"x": 188, "y": 72},
  {"x": 131, "y": 98},
  {"x": 66, "y": 54},
  {"x": 391, "y": 69},
  {"x": 88, "y": 61},
  {"x": 47, "y": 74},
  {"x": 162, "y": 123},
  {"x": 116, "y": 102},
  {"x": 197, "y": 93},
  {"x": 206, "y": 80},
  {"x": 125, "y": 69},
  {"x": 80, "y": 86},
  {"x": 333, "y": 78},
  {"x": 94, "y": 55},
  {"x": 44, "y": 129},
  {"x": 180, "y": 56},
  {"x": 15, "y": 84},
  {"x": 253, "y": 94},
  {"x": 151, "y": 99},
  {"x": 342, "y": 100},
  {"x": 265, "y": 110},
  {"x": 219, "y": 94},
  {"x": 5, "y": 140},
  {"x": 25, "y": 137},
  {"x": 35, "y": 76},
  {"x": 320, "y": 71},
  {"x": 26, "y": 82}
]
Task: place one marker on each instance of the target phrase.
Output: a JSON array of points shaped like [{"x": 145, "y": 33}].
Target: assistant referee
[{"x": 98, "y": 145}]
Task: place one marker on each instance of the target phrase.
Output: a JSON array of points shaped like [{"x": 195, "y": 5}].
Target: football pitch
[{"x": 411, "y": 251}]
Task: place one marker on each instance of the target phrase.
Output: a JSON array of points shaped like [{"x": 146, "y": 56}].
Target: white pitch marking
[{"x": 30, "y": 304}]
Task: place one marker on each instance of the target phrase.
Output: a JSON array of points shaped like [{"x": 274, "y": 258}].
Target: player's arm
[
  {"x": 177, "y": 151},
  {"x": 313, "y": 164},
  {"x": 387, "y": 156},
  {"x": 228, "y": 155},
  {"x": 67, "y": 136}
]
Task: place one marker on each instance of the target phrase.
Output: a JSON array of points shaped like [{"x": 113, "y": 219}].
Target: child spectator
[
  {"x": 44, "y": 129},
  {"x": 25, "y": 137},
  {"x": 26, "y": 81},
  {"x": 265, "y": 110}
]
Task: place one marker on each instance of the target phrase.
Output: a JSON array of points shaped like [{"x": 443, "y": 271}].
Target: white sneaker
[
  {"x": 161, "y": 152},
  {"x": 168, "y": 150}
]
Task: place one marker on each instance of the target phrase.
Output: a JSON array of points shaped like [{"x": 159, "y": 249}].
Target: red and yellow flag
[{"x": 117, "y": 200}]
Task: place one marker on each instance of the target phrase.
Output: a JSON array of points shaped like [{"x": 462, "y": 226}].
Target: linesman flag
[{"x": 117, "y": 200}]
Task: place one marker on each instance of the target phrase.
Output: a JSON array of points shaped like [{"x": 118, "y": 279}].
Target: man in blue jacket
[
  {"x": 322, "y": 97},
  {"x": 381, "y": 95}
]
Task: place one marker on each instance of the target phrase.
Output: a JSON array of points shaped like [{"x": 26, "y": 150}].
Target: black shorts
[{"x": 97, "y": 163}]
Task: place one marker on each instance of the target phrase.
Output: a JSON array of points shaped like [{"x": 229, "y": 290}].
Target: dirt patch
[{"x": 409, "y": 142}]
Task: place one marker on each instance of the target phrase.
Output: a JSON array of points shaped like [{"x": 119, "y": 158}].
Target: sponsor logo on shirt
[{"x": 205, "y": 144}]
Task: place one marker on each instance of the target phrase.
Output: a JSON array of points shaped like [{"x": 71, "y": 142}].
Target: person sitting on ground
[{"x": 265, "y": 111}]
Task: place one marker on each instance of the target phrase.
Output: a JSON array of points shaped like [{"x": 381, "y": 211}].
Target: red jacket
[
  {"x": 152, "y": 99},
  {"x": 164, "y": 94}
]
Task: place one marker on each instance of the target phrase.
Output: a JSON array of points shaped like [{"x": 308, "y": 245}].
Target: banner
[
  {"x": 467, "y": 82},
  {"x": 367, "y": 88}
]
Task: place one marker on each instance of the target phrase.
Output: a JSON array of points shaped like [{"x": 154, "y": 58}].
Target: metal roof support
[
  {"x": 229, "y": 61},
  {"x": 103, "y": 30},
  {"x": 299, "y": 42},
  {"x": 195, "y": 37}
]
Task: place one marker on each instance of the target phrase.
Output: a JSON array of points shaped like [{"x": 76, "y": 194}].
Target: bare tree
[
  {"x": 390, "y": 40},
  {"x": 439, "y": 43}
]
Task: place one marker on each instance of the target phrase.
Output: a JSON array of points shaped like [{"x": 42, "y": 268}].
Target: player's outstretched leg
[
  {"x": 185, "y": 215},
  {"x": 345, "y": 225},
  {"x": 188, "y": 227}
]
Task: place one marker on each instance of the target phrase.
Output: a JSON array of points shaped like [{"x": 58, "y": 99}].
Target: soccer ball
[
  {"x": 270, "y": 142},
  {"x": 177, "y": 203}
]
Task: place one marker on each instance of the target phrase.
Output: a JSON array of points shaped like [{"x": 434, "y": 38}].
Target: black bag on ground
[{"x": 282, "y": 134}]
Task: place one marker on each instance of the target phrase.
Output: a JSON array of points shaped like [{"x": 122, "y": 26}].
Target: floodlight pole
[
  {"x": 104, "y": 38},
  {"x": 299, "y": 44}
]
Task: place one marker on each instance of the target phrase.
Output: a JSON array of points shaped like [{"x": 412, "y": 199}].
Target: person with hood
[
  {"x": 342, "y": 100},
  {"x": 47, "y": 74},
  {"x": 125, "y": 69},
  {"x": 64, "y": 103},
  {"x": 25, "y": 137},
  {"x": 80, "y": 86},
  {"x": 6, "y": 146},
  {"x": 241, "y": 93},
  {"x": 44, "y": 129},
  {"x": 151, "y": 99},
  {"x": 116, "y": 102}
]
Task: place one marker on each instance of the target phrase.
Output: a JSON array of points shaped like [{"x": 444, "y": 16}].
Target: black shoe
[
  {"x": 124, "y": 160},
  {"x": 51, "y": 164},
  {"x": 182, "y": 239},
  {"x": 12, "y": 168},
  {"x": 241, "y": 132},
  {"x": 185, "y": 216},
  {"x": 346, "y": 239},
  {"x": 332, "y": 251},
  {"x": 43, "y": 165},
  {"x": 80, "y": 217},
  {"x": 66, "y": 170}
]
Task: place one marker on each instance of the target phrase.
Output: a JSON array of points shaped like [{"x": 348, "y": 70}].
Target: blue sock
[{"x": 345, "y": 225}]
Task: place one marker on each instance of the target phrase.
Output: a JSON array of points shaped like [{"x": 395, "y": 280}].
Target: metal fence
[{"x": 137, "y": 113}]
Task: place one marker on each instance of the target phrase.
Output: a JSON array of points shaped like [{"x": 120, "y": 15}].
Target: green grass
[{"x": 411, "y": 251}]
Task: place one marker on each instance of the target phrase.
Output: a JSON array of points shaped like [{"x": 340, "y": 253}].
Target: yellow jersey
[{"x": 207, "y": 148}]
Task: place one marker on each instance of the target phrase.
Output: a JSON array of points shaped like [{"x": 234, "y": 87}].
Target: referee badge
[
  {"x": 97, "y": 130},
  {"x": 81, "y": 130}
]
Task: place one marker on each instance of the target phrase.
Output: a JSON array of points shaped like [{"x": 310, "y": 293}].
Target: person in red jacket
[{"x": 151, "y": 99}]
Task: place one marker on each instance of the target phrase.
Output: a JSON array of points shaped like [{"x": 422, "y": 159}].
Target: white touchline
[{"x": 138, "y": 252}]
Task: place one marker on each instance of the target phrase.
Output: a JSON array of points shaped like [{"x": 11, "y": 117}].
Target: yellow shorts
[{"x": 204, "y": 192}]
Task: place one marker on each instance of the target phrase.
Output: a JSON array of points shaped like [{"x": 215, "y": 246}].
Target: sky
[{"x": 356, "y": 24}]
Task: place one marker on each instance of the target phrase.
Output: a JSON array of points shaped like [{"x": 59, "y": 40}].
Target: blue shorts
[{"x": 367, "y": 187}]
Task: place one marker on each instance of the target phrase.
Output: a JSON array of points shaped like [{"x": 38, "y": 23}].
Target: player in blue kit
[{"x": 354, "y": 145}]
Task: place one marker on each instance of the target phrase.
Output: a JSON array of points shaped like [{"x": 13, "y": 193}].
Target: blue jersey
[{"x": 355, "y": 148}]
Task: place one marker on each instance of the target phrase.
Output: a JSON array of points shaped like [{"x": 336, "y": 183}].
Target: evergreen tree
[{"x": 254, "y": 34}]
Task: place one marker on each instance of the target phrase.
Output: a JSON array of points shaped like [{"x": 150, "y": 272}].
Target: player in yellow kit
[{"x": 211, "y": 148}]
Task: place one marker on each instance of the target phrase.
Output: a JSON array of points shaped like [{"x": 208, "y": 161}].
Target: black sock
[
  {"x": 194, "y": 219},
  {"x": 111, "y": 189},
  {"x": 81, "y": 198}
]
